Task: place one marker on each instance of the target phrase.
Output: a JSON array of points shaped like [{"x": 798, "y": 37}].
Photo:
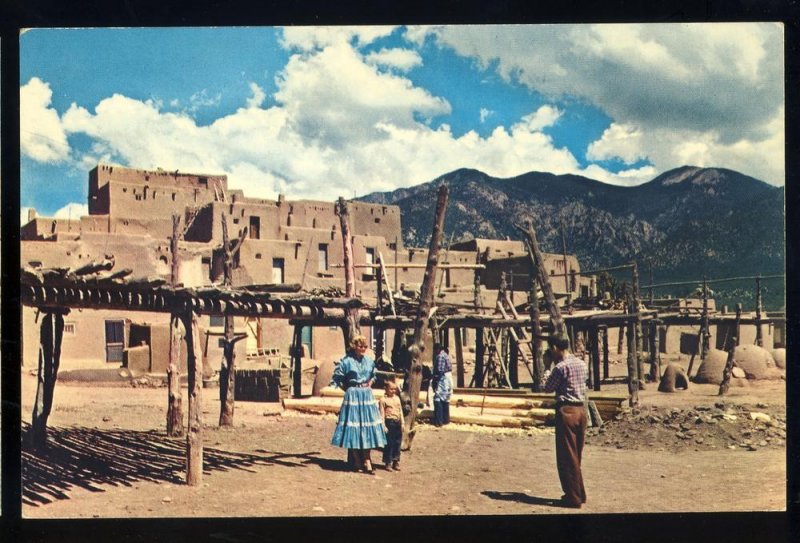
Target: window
[
  {"x": 258, "y": 256},
  {"x": 277, "y": 270},
  {"x": 370, "y": 260},
  {"x": 323, "y": 257},
  {"x": 377, "y": 220},
  {"x": 69, "y": 328},
  {"x": 221, "y": 343},
  {"x": 235, "y": 220},
  {"x": 255, "y": 227},
  {"x": 173, "y": 196},
  {"x": 115, "y": 340},
  {"x": 216, "y": 320},
  {"x": 560, "y": 265}
]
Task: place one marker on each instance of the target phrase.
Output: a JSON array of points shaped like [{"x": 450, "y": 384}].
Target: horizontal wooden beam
[{"x": 419, "y": 265}]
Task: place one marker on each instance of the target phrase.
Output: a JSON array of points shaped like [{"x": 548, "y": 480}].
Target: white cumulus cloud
[
  {"x": 712, "y": 90},
  {"x": 401, "y": 59},
  {"x": 42, "y": 137}
]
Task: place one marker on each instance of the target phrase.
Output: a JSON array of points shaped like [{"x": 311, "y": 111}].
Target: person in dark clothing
[
  {"x": 567, "y": 378},
  {"x": 442, "y": 385}
]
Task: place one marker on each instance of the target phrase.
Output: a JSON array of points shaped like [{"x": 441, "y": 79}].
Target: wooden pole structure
[
  {"x": 513, "y": 361},
  {"x": 604, "y": 330},
  {"x": 458, "y": 332},
  {"x": 759, "y": 336},
  {"x": 655, "y": 350},
  {"x": 566, "y": 266},
  {"x": 726, "y": 373},
  {"x": 423, "y": 311},
  {"x": 351, "y": 327},
  {"x": 476, "y": 293},
  {"x": 51, "y": 332},
  {"x": 536, "y": 331},
  {"x": 633, "y": 370},
  {"x": 637, "y": 312},
  {"x": 620, "y": 338},
  {"x": 174, "y": 395},
  {"x": 537, "y": 260},
  {"x": 297, "y": 361},
  {"x": 594, "y": 346},
  {"x": 194, "y": 436},
  {"x": 706, "y": 334},
  {"x": 480, "y": 351},
  {"x": 379, "y": 347},
  {"x": 227, "y": 374}
]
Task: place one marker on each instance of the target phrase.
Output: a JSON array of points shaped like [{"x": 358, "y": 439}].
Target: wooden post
[
  {"x": 476, "y": 293},
  {"x": 513, "y": 361},
  {"x": 650, "y": 265},
  {"x": 379, "y": 347},
  {"x": 594, "y": 346},
  {"x": 297, "y": 361},
  {"x": 423, "y": 311},
  {"x": 604, "y": 330},
  {"x": 536, "y": 330},
  {"x": 175, "y": 397},
  {"x": 655, "y": 366},
  {"x": 732, "y": 343},
  {"x": 459, "y": 357},
  {"x": 566, "y": 266},
  {"x": 194, "y": 436},
  {"x": 227, "y": 374},
  {"x": 51, "y": 333},
  {"x": 480, "y": 349},
  {"x": 351, "y": 326},
  {"x": 637, "y": 312},
  {"x": 620, "y": 338},
  {"x": 706, "y": 333},
  {"x": 633, "y": 370},
  {"x": 759, "y": 336},
  {"x": 537, "y": 260}
]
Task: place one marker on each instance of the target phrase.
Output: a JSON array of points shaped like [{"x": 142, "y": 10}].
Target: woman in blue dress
[{"x": 360, "y": 426}]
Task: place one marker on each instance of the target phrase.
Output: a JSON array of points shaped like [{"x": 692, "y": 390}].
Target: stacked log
[{"x": 517, "y": 410}]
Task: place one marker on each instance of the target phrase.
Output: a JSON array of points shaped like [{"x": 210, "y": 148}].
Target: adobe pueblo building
[
  {"x": 298, "y": 244},
  {"x": 286, "y": 242}
]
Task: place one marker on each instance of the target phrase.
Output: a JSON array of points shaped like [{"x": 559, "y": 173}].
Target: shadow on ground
[
  {"x": 88, "y": 458},
  {"x": 522, "y": 498}
]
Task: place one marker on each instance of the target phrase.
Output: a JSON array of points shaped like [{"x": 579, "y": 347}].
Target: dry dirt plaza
[{"x": 110, "y": 457}]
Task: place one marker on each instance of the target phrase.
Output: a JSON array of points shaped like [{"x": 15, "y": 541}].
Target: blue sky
[{"x": 318, "y": 112}]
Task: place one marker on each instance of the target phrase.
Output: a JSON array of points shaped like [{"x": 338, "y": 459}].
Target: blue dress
[{"x": 360, "y": 425}]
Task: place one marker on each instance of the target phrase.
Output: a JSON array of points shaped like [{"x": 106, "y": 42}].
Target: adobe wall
[
  {"x": 85, "y": 347},
  {"x": 128, "y": 192}
]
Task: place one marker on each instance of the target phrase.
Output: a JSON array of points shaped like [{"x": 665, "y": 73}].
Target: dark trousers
[
  {"x": 570, "y": 433},
  {"x": 394, "y": 438},
  {"x": 441, "y": 412}
]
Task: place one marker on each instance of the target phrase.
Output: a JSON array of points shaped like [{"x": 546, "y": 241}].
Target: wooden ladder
[{"x": 523, "y": 342}]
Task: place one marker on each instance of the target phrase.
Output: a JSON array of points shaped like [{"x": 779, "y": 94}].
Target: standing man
[
  {"x": 442, "y": 385},
  {"x": 568, "y": 380}
]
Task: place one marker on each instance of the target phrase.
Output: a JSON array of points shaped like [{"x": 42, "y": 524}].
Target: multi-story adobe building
[{"x": 286, "y": 242}]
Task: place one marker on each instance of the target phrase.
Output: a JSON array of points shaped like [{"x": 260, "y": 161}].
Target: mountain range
[{"x": 685, "y": 223}]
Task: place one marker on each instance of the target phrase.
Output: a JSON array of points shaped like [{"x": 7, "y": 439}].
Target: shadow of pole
[{"x": 89, "y": 458}]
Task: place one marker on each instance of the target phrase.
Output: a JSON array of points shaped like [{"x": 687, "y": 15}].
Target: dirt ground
[{"x": 682, "y": 452}]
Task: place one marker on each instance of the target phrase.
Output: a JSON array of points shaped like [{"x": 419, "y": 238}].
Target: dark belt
[
  {"x": 571, "y": 404},
  {"x": 360, "y": 385}
]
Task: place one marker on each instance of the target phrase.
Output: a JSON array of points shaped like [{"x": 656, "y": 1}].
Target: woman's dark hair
[{"x": 562, "y": 344}]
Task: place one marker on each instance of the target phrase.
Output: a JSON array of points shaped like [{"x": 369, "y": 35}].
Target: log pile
[{"x": 517, "y": 409}]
